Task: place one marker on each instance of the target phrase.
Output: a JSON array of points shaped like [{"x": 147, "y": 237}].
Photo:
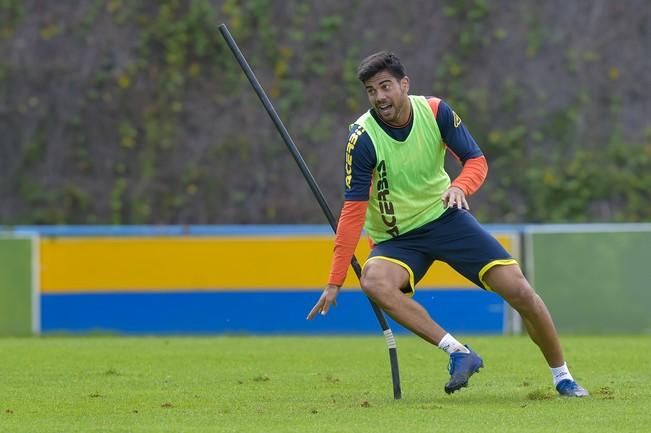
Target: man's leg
[
  {"x": 382, "y": 281},
  {"x": 509, "y": 282}
]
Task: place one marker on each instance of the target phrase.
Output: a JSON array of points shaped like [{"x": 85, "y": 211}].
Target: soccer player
[{"x": 398, "y": 190}]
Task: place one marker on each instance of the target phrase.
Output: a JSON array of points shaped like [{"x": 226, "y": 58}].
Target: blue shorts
[{"x": 455, "y": 238}]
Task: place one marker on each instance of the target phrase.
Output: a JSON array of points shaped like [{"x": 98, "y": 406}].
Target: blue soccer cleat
[
  {"x": 569, "y": 388},
  {"x": 461, "y": 367}
]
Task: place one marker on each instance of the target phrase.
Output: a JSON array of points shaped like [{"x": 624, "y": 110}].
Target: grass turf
[{"x": 324, "y": 384}]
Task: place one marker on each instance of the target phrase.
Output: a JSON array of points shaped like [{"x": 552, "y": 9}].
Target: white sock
[
  {"x": 451, "y": 345},
  {"x": 560, "y": 373}
]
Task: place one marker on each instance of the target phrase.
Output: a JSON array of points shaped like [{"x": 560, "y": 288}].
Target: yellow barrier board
[{"x": 137, "y": 264}]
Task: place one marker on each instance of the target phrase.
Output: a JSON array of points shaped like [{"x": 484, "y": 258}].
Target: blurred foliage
[{"x": 135, "y": 111}]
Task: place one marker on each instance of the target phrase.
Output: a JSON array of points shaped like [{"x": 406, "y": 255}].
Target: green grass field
[{"x": 324, "y": 384}]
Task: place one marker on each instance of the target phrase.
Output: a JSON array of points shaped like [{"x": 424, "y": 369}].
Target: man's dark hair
[{"x": 378, "y": 62}]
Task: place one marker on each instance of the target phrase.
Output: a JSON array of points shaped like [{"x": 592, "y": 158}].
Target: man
[{"x": 397, "y": 188}]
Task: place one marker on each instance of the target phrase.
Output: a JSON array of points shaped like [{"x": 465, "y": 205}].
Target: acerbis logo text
[
  {"x": 349, "y": 157},
  {"x": 384, "y": 203}
]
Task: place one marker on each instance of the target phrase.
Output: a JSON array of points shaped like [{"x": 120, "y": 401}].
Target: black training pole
[{"x": 393, "y": 354}]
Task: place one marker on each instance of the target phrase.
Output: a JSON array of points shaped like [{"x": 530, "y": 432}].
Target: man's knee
[
  {"x": 381, "y": 279},
  {"x": 511, "y": 284},
  {"x": 523, "y": 296},
  {"x": 373, "y": 282}
]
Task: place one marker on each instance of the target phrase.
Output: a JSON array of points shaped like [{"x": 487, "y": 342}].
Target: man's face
[{"x": 389, "y": 97}]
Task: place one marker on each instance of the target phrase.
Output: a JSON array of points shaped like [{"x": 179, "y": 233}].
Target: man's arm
[
  {"x": 360, "y": 161},
  {"x": 465, "y": 149},
  {"x": 349, "y": 230}
]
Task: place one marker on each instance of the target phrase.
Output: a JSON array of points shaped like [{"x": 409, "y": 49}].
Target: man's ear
[{"x": 404, "y": 84}]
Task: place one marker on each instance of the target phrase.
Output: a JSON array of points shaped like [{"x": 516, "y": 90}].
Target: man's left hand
[{"x": 455, "y": 196}]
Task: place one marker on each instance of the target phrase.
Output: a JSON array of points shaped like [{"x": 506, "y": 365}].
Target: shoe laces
[
  {"x": 451, "y": 363},
  {"x": 572, "y": 385}
]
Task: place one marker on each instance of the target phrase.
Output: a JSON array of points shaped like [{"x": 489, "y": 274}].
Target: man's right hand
[{"x": 328, "y": 298}]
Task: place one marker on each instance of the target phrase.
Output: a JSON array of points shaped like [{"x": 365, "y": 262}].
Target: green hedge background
[{"x": 135, "y": 112}]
